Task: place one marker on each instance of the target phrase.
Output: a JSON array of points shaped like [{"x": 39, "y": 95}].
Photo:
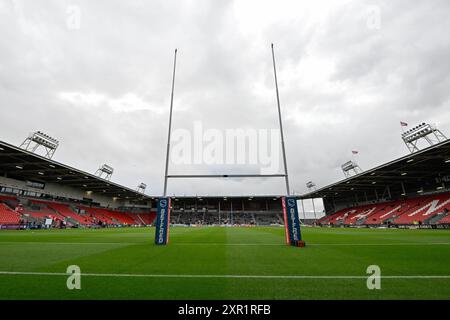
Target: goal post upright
[
  {"x": 280, "y": 120},
  {"x": 170, "y": 124}
]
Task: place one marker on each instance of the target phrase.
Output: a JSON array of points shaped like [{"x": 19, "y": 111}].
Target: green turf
[{"x": 225, "y": 251}]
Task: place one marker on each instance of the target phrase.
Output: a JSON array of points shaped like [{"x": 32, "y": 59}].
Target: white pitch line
[
  {"x": 226, "y": 244},
  {"x": 64, "y": 243},
  {"x": 311, "y": 244},
  {"x": 217, "y": 276},
  {"x": 141, "y": 243},
  {"x": 383, "y": 244}
]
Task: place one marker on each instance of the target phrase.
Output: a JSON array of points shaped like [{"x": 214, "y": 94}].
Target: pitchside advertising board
[
  {"x": 291, "y": 221},
  {"x": 162, "y": 221}
]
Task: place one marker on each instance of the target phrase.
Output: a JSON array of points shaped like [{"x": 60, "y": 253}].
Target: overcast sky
[{"x": 97, "y": 75}]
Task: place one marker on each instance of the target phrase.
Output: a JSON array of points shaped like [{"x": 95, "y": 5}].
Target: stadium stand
[
  {"x": 26, "y": 211},
  {"x": 66, "y": 211},
  {"x": 8, "y": 216},
  {"x": 421, "y": 210},
  {"x": 147, "y": 219},
  {"x": 226, "y": 218},
  {"x": 409, "y": 191},
  {"x": 427, "y": 209}
]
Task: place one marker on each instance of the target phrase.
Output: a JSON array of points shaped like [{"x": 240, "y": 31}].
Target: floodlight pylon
[
  {"x": 39, "y": 139},
  {"x": 105, "y": 170},
  {"x": 423, "y": 131},
  {"x": 350, "y": 167},
  {"x": 311, "y": 186},
  {"x": 141, "y": 187}
]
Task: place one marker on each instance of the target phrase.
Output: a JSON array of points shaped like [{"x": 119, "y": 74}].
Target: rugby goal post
[{"x": 289, "y": 204}]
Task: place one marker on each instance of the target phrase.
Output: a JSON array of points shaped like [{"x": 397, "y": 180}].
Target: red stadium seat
[
  {"x": 419, "y": 210},
  {"x": 8, "y": 216}
]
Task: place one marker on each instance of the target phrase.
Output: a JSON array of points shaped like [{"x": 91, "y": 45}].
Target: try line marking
[
  {"x": 216, "y": 276},
  {"x": 228, "y": 244},
  {"x": 315, "y": 244}
]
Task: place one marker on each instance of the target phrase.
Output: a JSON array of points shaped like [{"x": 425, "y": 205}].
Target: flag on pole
[
  {"x": 403, "y": 124},
  {"x": 355, "y": 152}
]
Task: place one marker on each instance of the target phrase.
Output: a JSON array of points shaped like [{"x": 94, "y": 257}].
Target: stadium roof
[
  {"x": 412, "y": 170},
  {"x": 23, "y": 165}
]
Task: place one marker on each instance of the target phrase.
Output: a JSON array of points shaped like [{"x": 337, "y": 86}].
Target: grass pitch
[{"x": 225, "y": 263}]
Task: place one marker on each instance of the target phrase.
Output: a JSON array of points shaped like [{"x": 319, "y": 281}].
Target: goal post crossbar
[{"x": 187, "y": 176}]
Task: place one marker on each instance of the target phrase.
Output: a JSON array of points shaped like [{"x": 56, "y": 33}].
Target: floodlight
[
  {"x": 141, "y": 187},
  {"x": 423, "y": 131},
  {"x": 39, "y": 139},
  {"x": 349, "y": 167},
  {"x": 104, "y": 170}
]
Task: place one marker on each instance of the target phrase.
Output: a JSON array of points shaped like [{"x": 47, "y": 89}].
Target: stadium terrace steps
[
  {"x": 9, "y": 201},
  {"x": 324, "y": 219},
  {"x": 436, "y": 218},
  {"x": 67, "y": 212},
  {"x": 445, "y": 219},
  {"x": 42, "y": 214},
  {"x": 123, "y": 217},
  {"x": 147, "y": 218},
  {"x": 109, "y": 216},
  {"x": 8, "y": 216},
  {"x": 98, "y": 214},
  {"x": 137, "y": 220}
]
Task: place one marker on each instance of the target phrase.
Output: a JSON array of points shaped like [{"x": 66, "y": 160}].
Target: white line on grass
[
  {"x": 228, "y": 244},
  {"x": 218, "y": 276},
  {"x": 383, "y": 244},
  {"x": 312, "y": 244},
  {"x": 77, "y": 243},
  {"x": 225, "y": 244}
]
